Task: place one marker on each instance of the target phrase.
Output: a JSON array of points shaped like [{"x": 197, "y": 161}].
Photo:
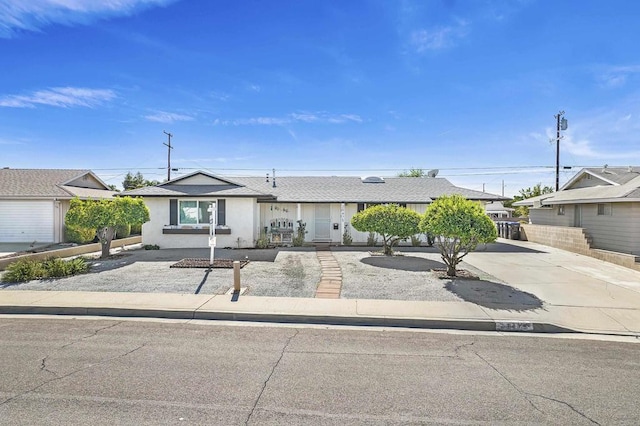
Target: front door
[
  {"x": 577, "y": 216},
  {"x": 323, "y": 222}
]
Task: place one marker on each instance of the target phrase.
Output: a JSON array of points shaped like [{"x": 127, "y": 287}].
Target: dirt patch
[{"x": 204, "y": 263}]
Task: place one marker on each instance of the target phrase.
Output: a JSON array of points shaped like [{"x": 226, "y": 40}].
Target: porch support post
[
  {"x": 342, "y": 221},
  {"x": 299, "y": 212}
]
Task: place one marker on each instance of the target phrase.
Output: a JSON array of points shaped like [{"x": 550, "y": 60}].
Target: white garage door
[{"x": 26, "y": 221}]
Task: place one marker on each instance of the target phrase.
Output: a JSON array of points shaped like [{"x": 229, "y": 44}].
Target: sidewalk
[{"x": 580, "y": 294}]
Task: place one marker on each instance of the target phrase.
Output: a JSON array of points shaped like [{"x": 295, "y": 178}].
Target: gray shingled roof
[
  {"x": 44, "y": 183},
  {"x": 310, "y": 189},
  {"x": 169, "y": 190},
  {"x": 628, "y": 191},
  {"x": 620, "y": 175},
  {"x": 351, "y": 189}
]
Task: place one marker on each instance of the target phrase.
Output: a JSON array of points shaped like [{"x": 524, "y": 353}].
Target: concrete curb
[{"x": 287, "y": 318}]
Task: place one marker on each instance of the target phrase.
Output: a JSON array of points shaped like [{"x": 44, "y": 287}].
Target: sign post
[{"x": 212, "y": 231}]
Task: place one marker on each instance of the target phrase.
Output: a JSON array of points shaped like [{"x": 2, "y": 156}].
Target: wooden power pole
[
  {"x": 561, "y": 124},
  {"x": 169, "y": 148}
]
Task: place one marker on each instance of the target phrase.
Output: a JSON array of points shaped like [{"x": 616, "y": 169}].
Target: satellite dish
[{"x": 432, "y": 173}]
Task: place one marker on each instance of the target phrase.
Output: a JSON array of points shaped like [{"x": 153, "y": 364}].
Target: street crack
[
  {"x": 43, "y": 366},
  {"x": 523, "y": 393},
  {"x": 458, "y": 348},
  {"x": 71, "y": 373},
  {"x": 273, "y": 369},
  {"x": 527, "y": 395},
  {"x": 95, "y": 333},
  {"x": 571, "y": 407}
]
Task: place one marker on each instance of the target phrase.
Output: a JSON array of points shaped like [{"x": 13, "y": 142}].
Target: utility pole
[
  {"x": 169, "y": 148},
  {"x": 561, "y": 124}
]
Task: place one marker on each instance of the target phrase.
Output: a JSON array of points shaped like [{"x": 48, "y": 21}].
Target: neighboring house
[
  {"x": 603, "y": 202},
  {"x": 497, "y": 211},
  {"x": 249, "y": 206},
  {"x": 34, "y": 202}
]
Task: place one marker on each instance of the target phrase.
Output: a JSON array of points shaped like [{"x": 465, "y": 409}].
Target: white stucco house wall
[
  {"x": 248, "y": 206},
  {"x": 34, "y": 202}
]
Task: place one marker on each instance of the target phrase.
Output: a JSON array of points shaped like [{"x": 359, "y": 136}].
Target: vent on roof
[{"x": 372, "y": 179}]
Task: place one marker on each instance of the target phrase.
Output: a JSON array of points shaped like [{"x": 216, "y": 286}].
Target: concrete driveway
[{"x": 7, "y": 249}]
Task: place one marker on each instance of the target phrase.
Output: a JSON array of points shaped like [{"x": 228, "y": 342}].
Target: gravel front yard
[
  {"x": 285, "y": 272},
  {"x": 405, "y": 277}
]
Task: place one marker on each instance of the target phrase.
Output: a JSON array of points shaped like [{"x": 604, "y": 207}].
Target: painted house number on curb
[{"x": 514, "y": 326}]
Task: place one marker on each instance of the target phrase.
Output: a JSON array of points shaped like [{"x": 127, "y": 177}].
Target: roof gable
[
  {"x": 199, "y": 178},
  {"x": 49, "y": 183},
  {"x": 86, "y": 180},
  {"x": 593, "y": 176}
]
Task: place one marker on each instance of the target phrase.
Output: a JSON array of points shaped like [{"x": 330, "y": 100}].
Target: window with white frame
[
  {"x": 560, "y": 210},
  {"x": 604, "y": 209},
  {"x": 194, "y": 212}
]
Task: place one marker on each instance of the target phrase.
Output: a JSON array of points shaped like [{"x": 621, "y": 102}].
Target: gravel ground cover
[
  {"x": 404, "y": 277},
  {"x": 270, "y": 272},
  {"x": 284, "y": 272}
]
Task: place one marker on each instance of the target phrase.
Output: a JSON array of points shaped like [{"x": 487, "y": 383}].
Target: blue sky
[{"x": 320, "y": 87}]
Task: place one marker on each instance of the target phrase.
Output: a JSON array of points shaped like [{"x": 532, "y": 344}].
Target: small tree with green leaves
[
  {"x": 525, "y": 193},
  {"x": 105, "y": 215},
  {"x": 136, "y": 181},
  {"x": 458, "y": 226},
  {"x": 392, "y": 222},
  {"x": 413, "y": 172}
]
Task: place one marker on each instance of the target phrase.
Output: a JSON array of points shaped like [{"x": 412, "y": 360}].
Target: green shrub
[
  {"x": 123, "y": 231},
  {"x": 136, "y": 229},
  {"x": 27, "y": 270},
  {"x": 78, "y": 235},
  {"x": 56, "y": 267},
  {"x": 151, "y": 247},
  {"x": 298, "y": 240},
  {"x": 372, "y": 239},
  {"x": 77, "y": 266},
  {"x": 347, "y": 240},
  {"x": 24, "y": 270},
  {"x": 262, "y": 242},
  {"x": 416, "y": 241}
]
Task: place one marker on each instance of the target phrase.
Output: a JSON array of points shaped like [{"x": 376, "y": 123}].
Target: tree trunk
[
  {"x": 451, "y": 271},
  {"x": 105, "y": 235}
]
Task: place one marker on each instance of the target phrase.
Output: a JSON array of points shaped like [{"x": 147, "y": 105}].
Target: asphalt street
[{"x": 108, "y": 371}]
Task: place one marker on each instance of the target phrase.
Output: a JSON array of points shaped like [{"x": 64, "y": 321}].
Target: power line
[{"x": 342, "y": 170}]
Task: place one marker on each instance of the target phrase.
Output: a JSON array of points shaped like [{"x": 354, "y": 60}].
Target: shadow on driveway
[
  {"x": 403, "y": 263},
  {"x": 493, "y": 295}
]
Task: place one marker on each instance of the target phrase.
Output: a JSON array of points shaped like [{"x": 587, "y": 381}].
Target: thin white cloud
[
  {"x": 10, "y": 142},
  {"x": 296, "y": 117},
  {"x": 439, "y": 37},
  {"x": 601, "y": 136},
  {"x": 64, "y": 97},
  {"x": 32, "y": 15},
  {"x": 617, "y": 76},
  {"x": 168, "y": 117}
]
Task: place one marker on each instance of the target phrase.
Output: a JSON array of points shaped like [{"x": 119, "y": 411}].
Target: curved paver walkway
[{"x": 330, "y": 283}]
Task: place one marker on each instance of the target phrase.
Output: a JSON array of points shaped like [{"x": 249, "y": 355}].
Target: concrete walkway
[{"x": 569, "y": 293}]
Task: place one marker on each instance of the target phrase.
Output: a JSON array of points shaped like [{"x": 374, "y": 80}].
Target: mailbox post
[{"x": 212, "y": 231}]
